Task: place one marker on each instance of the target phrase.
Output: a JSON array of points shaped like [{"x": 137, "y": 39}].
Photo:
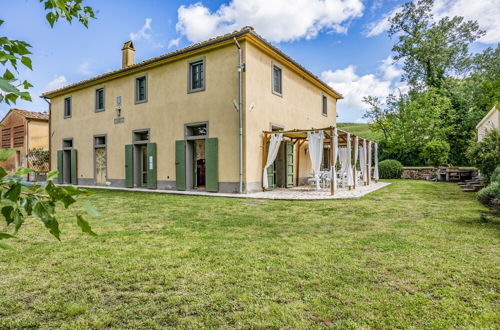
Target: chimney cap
[{"x": 128, "y": 45}]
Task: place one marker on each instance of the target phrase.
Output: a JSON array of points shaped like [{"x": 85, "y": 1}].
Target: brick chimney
[{"x": 128, "y": 54}]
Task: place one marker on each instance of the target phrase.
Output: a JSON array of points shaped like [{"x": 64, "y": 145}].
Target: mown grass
[
  {"x": 361, "y": 130},
  {"x": 413, "y": 254}
]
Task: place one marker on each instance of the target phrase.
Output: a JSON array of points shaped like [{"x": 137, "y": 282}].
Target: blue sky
[{"x": 342, "y": 41}]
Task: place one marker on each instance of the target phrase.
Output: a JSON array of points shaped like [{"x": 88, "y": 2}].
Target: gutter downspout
[
  {"x": 50, "y": 134},
  {"x": 241, "y": 68}
]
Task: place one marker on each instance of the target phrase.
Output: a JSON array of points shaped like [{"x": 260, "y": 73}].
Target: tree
[
  {"x": 436, "y": 152},
  {"x": 20, "y": 199},
  {"x": 431, "y": 50},
  {"x": 408, "y": 122},
  {"x": 14, "y": 53}
]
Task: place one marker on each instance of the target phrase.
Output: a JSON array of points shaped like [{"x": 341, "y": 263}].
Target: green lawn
[
  {"x": 361, "y": 130},
  {"x": 413, "y": 254}
]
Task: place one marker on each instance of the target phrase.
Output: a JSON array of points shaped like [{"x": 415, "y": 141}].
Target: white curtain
[
  {"x": 335, "y": 156},
  {"x": 316, "y": 152},
  {"x": 365, "y": 162},
  {"x": 350, "y": 179},
  {"x": 272, "y": 152},
  {"x": 375, "y": 171},
  {"x": 370, "y": 159},
  {"x": 356, "y": 152}
]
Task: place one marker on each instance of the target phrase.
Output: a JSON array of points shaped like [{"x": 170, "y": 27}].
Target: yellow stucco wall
[
  {"x": 299, "y": 107},
  {"x": 38, "y": 132},
  {"x": 168, "y": 108}
]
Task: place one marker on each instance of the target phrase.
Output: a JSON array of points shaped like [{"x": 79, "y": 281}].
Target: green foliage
[
  {"x": 14, "y": 53},
  {"x": 495, "y": 176},
  {"x": 20, "y": 199},
  {"x": 431, "y": 50},
  {"x": 436, "y": 152},
  {"x": 408, "y": 122},
  {"x": 434, "y": 53},
  {"x": 390, "y": 169},
  {"x": 485, "y": 155},
  {"x": 490, "y": 195}
]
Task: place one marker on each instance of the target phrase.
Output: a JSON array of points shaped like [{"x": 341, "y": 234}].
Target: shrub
[
  {"x": 436, "y": 152},
  {"x": 495, "y": 176},
  {"x": 485, "y": 155},
  {"x": 490, "y": 195},
  {"x": 390, "y": 169}
]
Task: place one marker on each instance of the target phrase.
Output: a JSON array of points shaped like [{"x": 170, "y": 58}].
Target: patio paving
[{"x": 296, "y": 193}]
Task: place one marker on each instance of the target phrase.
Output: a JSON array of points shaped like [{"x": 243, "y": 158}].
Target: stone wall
[{"x": 426, "y": 173}]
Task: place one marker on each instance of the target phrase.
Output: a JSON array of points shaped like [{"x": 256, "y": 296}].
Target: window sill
[
  {"x": 196, "y": 90},
  {"x": 100, "y": 110},
  {"x": 140, "y": 102},
  {"x": 277, "y": 94}
]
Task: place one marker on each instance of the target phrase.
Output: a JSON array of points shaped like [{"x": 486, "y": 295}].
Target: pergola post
[
  {"x": 355, "y": 149},
  {"x": 365, "y": 151},
  {"x": 369, "y": 162},
  {"x": 332, "y": 186}
]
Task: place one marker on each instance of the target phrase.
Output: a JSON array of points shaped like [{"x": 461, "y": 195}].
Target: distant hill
[{"x": 361, "y": 130}]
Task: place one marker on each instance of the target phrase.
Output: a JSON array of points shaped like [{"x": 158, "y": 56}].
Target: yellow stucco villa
[{"x": 192, "y": 119}]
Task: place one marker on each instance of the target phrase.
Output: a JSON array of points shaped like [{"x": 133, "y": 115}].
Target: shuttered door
[
  {"x": 211, "y": 165},
  {"x": 289, "y": 164},
  {"x": 180, "y": 164},
  {"x": 151, "y": 171},
  {"x": 74, "y": 167},
  {"x": 129, "y": 166},
  {"x": 60, "y": 176},
  {"x": 270, "y": 177}
]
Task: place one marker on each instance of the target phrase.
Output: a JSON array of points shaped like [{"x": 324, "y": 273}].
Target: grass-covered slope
[{"x": 362, "y": 130}]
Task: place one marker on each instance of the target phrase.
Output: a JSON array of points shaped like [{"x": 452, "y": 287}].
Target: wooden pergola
[{"x": 299, "y": 137}]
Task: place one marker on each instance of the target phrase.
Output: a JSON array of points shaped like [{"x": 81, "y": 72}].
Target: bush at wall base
[
  {"x": 490, "y": 195},
  {"x": 390, "y": 169}
]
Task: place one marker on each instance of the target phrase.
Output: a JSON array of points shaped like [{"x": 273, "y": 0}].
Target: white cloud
[
  {"x": 174, "y": 43},
  {"x": 361, "y": 120},
  {"x": 388, "y": 69},
  {"x": 354, "y": 87},
  {"x": 382, "y": 25},
  {"x": 277, "y": 20},
  {"x": 485, "y": 12},
  {"x": 84, "y": 68},
  {"x": 144, "y": 32},
  {"x": 57, "y": 82}
]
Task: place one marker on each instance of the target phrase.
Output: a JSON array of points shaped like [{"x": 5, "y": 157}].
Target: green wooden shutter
[
  {"x": 289, "y": 164},
  {"x": 180, "y": 164},
  {"x": 211, "y": 165},
  {"x": 60, "y": 177},
  {"x": 270, "y": 177},
  {"x": 151, "y": 165},
  {"x": 74, "y": 167},
  {"x": 129, "y": 166}
]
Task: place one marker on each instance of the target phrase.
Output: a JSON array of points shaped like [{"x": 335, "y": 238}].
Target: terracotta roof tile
[{"x": 32, "y": 114}]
